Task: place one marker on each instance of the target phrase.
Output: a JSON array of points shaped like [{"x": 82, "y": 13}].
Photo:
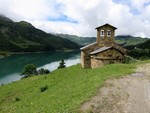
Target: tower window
[
  {"x": 108, "y": 33},
  {"x": 102, "y": 32}
]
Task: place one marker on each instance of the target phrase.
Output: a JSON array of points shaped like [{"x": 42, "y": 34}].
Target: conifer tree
[{"x": 61, "y": 64}]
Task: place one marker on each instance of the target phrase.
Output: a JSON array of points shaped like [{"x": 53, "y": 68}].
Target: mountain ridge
[
  {"x": 124, "y": 40},
  {"x": 24, "y": 37}
]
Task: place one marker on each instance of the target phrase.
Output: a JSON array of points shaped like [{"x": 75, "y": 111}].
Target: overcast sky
[{"x": 81, "y": 17}]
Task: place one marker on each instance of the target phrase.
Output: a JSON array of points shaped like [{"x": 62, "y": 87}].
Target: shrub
[
  {"x": 46, "y": 71},
  {"x": 44, "y": 88},
  {"x": 17, "y": 99},
  {"x": 43, "y": 71}
]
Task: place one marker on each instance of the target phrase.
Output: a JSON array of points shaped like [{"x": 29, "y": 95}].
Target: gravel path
[
  {"x": 148, "y": 90},
  {"x": 130, "y": 94}
]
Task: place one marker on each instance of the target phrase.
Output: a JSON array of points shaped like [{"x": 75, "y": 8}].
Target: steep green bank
[
  {"x": 67, "y": 89},
  {"x": 24, "y": 37}
]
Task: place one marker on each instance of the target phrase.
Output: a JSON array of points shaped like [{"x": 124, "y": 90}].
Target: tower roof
[{"x": 106, "y": 25}]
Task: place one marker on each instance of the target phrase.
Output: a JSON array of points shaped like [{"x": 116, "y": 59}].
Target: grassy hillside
[
  {"x": 67, "y": 89},
  {"x": 129, "y": 40},
  {"x": 23, "y": 37},
  {"x": 79, "y": 40}
]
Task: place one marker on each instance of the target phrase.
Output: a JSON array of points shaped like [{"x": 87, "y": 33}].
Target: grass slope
[
  {"x": 77, "y": 39},
  {"x": 67, "y": 89},
  {"x": 129, "y": 40}
]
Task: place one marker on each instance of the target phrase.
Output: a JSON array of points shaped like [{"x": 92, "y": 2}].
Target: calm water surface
[{"x": 10, "y": 67}]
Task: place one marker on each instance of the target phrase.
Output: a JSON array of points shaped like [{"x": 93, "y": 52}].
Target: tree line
[
  {"x": 31, "y": 70},
  {"x": 139, "y": 51}
]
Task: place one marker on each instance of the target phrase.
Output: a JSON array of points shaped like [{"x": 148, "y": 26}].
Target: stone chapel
[{"x": 104, "y": 50}]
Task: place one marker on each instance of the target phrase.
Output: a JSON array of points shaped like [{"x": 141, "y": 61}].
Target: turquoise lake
[{"x": 11, "y": 67}]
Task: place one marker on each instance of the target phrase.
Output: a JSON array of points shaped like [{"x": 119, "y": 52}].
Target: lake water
[{"x": 11, "y": 67}]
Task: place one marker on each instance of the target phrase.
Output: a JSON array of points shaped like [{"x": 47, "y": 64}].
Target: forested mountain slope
[{"x": 23, "y": 37}]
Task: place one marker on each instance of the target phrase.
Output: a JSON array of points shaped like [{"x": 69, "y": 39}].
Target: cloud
[
  {"x": 29, "y": 9},
  {"x": 139, "y": 4},
  {"x": 81, "y": 17},
  {"x": 57, "y": 27}
]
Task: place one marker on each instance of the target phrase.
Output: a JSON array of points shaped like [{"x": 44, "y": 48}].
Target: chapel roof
[
  {"x": 100, "y": 50},
  {"x": 106, "y": 25},
  {"x": 87, "y": 46},
  {"x": 104, "y": 49}
]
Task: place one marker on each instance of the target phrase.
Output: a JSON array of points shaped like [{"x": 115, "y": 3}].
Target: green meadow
[{"x": 67, "y": 89}]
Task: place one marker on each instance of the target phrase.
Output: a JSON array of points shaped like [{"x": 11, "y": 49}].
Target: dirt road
[{"x": 129, "y": 94}]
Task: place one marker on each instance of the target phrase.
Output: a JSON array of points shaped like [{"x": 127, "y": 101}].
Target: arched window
[
  {"x": 108, "y": 33},
  {"x": 102, "y": 33}
]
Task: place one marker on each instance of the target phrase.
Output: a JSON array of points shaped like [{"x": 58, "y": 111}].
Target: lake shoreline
[
  {"x": 3, "y": 54},
  {"x": 12, "y": 66}
]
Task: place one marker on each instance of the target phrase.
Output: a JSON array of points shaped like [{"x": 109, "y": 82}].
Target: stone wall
[
  {"x": 85, "y": 56},
  {"x": 95, "y": 63},
  {"x": 107, "y": 57}
]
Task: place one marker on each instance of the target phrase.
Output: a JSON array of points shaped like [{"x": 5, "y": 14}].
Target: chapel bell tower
[{"x": 105, "y": 35}]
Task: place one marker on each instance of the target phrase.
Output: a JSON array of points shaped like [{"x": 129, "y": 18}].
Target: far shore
[{"x": 5, "y": 54}]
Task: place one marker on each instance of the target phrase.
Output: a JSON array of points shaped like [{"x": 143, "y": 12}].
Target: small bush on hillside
[
  {"x": 43, "y": 71},
  {"x": 17, "y": 99},
  {"x": 46, "y": 71},
  {"x": 44, "y": 88}
]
